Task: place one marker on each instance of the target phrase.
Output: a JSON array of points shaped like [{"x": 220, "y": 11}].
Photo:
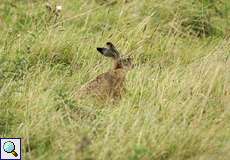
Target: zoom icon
[{"x": 10, "y": 149}]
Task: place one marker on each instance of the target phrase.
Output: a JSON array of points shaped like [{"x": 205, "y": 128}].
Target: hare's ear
[
  {"x": 106, "y": 52},
  {"x": 113, "y": 49},
  {"x": 110, "y": 51}
]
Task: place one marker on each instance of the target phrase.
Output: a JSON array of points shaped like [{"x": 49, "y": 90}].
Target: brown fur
[{"x": 109, "y": 84}]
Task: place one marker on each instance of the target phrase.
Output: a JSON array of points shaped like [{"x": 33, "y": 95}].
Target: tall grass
[{"x": 178, "y": 95}]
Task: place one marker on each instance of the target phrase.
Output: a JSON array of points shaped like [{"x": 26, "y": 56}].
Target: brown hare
[{"x": 111, "y": 83}]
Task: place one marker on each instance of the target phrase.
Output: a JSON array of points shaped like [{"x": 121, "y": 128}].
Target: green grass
[{"x": 178, "y": 96}]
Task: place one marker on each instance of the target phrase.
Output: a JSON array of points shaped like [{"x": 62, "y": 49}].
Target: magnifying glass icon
[{"x": 9, "y": 147}]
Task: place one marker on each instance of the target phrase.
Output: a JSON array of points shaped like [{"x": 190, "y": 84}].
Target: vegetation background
[{"x": 177, "y": 104}]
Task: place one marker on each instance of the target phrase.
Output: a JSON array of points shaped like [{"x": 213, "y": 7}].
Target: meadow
[{"x": 177, "y": 103}]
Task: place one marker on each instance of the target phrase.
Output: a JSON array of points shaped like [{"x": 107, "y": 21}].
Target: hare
[{"x": 111, "y": 83}]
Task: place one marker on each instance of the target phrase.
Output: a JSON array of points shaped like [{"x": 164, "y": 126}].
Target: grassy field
[{"x": 177, "y": 104}]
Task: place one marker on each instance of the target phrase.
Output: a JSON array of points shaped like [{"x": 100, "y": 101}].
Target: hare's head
[{"x": 119, "y": 61}]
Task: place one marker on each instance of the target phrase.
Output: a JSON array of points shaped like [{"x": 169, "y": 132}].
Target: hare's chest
[{"x": 115, "y": 80}]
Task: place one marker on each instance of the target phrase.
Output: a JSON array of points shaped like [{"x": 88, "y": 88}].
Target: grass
[{"x": 178, "y": 96}]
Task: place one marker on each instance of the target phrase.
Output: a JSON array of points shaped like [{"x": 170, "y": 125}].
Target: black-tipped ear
[
  {"x": 113, "y": 49},
  {"x": 106, "y": 52},
  {"x": 109, "y": 44},
  {"x": 100, "y": 50}
]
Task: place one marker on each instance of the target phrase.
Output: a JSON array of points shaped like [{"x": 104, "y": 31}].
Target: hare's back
[{"x": 101, "y": 85}]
